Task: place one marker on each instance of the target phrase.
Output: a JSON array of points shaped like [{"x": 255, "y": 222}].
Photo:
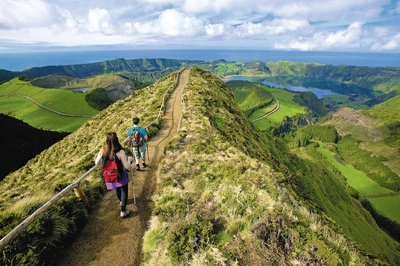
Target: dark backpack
[
  {"x": 135, "y": 138},
  {"x": 110, "y": 170}
]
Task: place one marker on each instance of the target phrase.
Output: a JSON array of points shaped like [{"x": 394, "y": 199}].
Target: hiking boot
[
  {"x": 137, "y": 167},
  {"x": 144, "y": 165},
  {"x": 124, "y": 214}
]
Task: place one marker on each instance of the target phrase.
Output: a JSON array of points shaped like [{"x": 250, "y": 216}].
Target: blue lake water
[
  {"x": 320, "y": 93},
  {"x": 25, "y": 60}
]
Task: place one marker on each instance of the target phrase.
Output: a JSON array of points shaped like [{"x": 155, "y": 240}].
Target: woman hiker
[{"x": 113, "y": 151}]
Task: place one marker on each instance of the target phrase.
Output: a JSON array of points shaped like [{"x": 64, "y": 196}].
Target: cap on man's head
[{"x": 136, "y": 120}]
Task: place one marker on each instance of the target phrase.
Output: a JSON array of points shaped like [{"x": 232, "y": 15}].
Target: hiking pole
[
  {"x": 147, "y": 151},
  {"x": 133, "y": 190},
  {"x": 147, "y": 147}
]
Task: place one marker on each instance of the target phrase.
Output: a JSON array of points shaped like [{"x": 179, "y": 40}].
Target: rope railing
[{"x": 73, "y": 186}]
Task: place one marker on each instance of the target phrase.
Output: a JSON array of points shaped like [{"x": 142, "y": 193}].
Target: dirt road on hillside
[{"x": 108, "y": 239}]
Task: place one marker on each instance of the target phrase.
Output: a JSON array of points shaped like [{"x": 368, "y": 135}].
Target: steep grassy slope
[
  {"x": 388, "y": 113},
  {"x": 231, "y": 194},
  {"x": 250, "y": 96},
  {"x": 23, "y": 191},
  {"x": 22, "y": 142}
]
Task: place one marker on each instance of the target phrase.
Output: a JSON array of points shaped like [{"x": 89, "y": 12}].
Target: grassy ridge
[{"x": 226, "y": 199}]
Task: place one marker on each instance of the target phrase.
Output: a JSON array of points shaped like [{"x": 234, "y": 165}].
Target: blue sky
[{"x": 307, "y": 25}]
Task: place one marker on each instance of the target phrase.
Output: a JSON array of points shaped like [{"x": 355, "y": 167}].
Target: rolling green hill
[
  {"x": 227, "y": 192},
  {"x": 250, "y": 96},
  {"x": 21, "y": 100}
]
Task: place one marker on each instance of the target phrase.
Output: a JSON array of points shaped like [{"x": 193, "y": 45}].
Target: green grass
[
  {"x": 24, "y": 110},
  {"x": 223, "y": 68},
  {"x": 355, "y": 178},
  {"x": 287, "y": 108},
  {"x": 343, "y": 100},
  {"x": 387, "y": 206},
  {"x": 262, "y": 111},
  {"x": 58, "y": 99}
]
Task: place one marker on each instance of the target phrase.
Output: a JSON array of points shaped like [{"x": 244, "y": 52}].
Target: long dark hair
[{"x": 112, "y": 145}]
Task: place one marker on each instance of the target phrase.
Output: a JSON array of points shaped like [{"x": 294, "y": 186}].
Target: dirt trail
[{"x": 108, "y": 239}]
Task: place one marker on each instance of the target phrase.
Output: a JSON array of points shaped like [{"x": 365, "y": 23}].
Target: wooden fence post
[{"x": 80, "y": 194}]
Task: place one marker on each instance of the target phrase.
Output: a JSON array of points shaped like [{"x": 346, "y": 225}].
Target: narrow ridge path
[{"x": 108, "y": 239}]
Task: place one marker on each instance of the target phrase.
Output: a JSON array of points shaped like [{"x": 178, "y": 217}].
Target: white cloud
[
  {"x": 169, "y": 23},
  {"x": 16, "y": 14},
  {"x": 387, "y": 44},
  {"x": 306, "y": 25},
  {"x": 99, "y": 20},
  {"x": 325, "y": 40},
  {"x": 268, "y": 28},
  {"x": 217, "y": 30}
]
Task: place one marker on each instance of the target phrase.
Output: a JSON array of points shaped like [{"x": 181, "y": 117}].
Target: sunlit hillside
[{"x": 230, "y": 193}]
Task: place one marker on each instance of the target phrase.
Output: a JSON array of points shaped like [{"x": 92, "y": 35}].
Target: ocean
[{"x": 22, "y": 61}]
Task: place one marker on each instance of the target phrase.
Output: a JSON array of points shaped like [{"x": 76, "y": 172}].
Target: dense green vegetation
[
  {"x": 388, "y": 112},
  {"x": 249, "y": 96},
  {"x": 98, "y": 99},
  {"x": 298, "y": 133},
  {"x": 311, "y": 101},
  {"x": 287, "y": 108},
  {"x": 354, "y": 178},
  {"x": 385, "y": 212},
  {"x": 350, "y": 152}
]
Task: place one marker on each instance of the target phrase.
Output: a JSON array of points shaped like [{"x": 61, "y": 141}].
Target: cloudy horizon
[{"x": 358, "y": 25}]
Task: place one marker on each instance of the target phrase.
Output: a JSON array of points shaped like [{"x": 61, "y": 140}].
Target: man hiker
[{"x": 137, "y": 138}]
